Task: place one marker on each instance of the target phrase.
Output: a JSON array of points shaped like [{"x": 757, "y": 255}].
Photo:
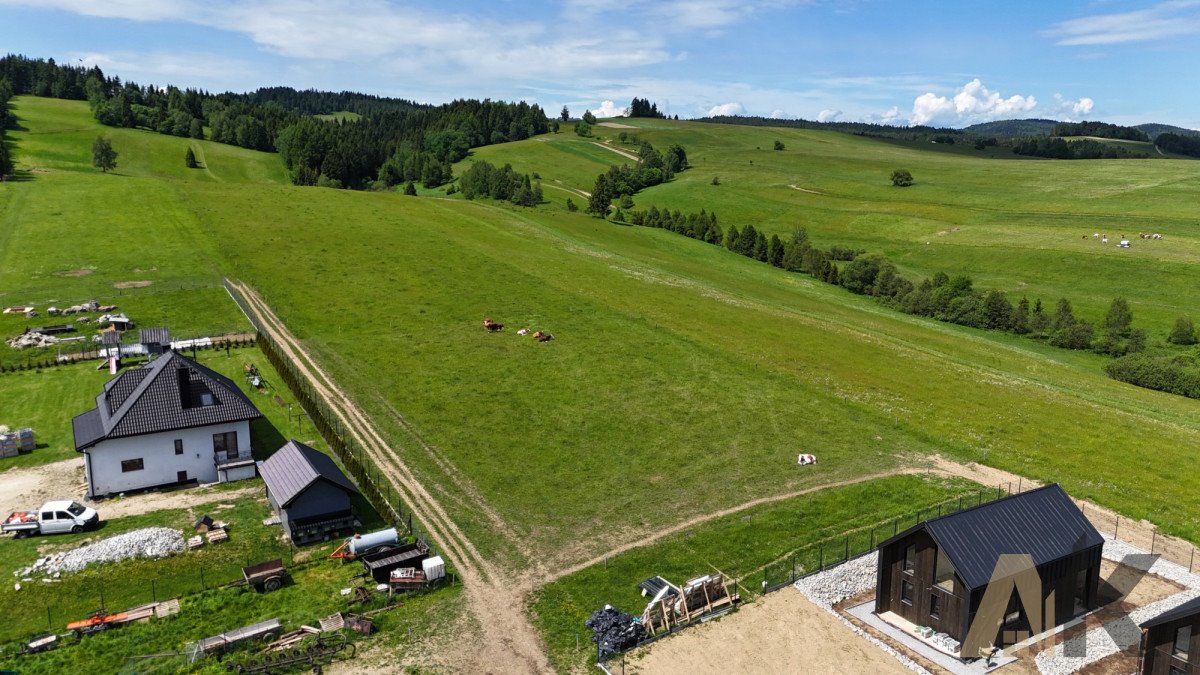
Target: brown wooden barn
[
  {"x": 934, "y": 574},
  {"x": 1171, "y": 642}
]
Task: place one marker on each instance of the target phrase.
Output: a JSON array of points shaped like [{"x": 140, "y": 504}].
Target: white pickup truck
[{"x": 55, "y": 517}]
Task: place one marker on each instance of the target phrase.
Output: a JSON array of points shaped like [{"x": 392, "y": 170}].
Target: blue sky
[{"x": 940, "y": 63}]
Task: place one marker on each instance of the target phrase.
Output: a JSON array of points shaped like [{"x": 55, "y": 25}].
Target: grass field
[
  {"x": 47, "y": 399},
  {"x": 683, "y": 378},
  {"x": 738, "y": 546},
  {"x": 1014, "y": 225}
]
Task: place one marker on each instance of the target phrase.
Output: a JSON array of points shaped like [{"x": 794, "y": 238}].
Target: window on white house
[
  {"x": 132, "y": 465},
  {"x": 226, "y": 442},
  {"x": 179, "y": 446}
]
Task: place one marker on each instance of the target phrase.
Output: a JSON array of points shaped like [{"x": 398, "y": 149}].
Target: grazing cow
[
  {"x": 1096, "y": 235},
  {"x": 542, "y": 337},
  {"x": 492, "y": 326}
]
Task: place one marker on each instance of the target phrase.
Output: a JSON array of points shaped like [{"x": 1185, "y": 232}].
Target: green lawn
[
  {"x": 677, "y": 363},
  {"x": 1014, "y": 225},
  {"x": 47, "y": 399},
  {"x": 740, "y": 546}
]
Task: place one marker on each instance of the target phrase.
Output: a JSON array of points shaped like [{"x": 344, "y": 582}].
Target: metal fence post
[
  {"x": 1116, "y": 527},
  {"x": 821, "y": 560},
  {"x": 49, "y": 619},
  {"x": 1153, "y": 538},
  {"x": 153, "y": 592},
  {"x": 847, "y": 556},
  {"x": 1192, "y": 559}
]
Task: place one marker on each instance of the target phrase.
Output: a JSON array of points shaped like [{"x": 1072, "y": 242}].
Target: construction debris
[
  {"x": 149, "y": 542},
  {"x": 673, "y": 605},
  {"x": 614, "y": 631},
  {"x": 31, "y": 339}
]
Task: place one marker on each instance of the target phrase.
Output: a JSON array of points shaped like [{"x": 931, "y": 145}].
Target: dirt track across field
[
  {"x": 624, "y": 153},
  {"x": 508, "y": 643}
]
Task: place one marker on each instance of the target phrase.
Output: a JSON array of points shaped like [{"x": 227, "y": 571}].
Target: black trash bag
[{"x": 614, "y": 630}]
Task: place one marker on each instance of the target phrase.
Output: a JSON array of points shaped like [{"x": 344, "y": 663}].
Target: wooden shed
[
  {"x": 1171, "y": 642},
  {"x": 934, "y": 574}
]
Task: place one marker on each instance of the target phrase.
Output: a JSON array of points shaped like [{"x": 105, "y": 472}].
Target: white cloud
[
  {"x": 829, "y": 115},
  {"x": 397, "y": 40},
  {"x": 679, "y": 15},
  {"x": 1164, "y": 20},
  {"x": 972, "y": 103},
  {"x": 192, "y": 69},
  {"x": 725, "y": 109},
  {"x": 1081, "y": 106},
  {"x": 889, "y": 116},
  {"x": 608, "y": 109}
]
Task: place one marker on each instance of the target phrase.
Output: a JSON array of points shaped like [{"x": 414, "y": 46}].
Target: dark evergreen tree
[
  {"x": 190, "y": 159},
  {"x": 775, "y": 251},
  {"x": 571, "y": 204},
  {"x": 565, "y": 115},
  {"x": 1021, "y": 318},
  {"x": 731, "y": 238},
  {"x": 998, "y": 311},
  {"x": 1039, "y": 321},
  {"x": 410, "y": 189},
  {"x": 1063, "y": 316},
  {"x": 1118, "y": 319}
]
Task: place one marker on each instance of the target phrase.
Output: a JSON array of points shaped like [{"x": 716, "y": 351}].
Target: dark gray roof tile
[
  {"x": 296, "y": 466},
  {"x": 172, "y": 392}
]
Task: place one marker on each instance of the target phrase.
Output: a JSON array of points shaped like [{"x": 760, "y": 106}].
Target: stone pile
[
  {"x": 149, "y": 542},
  {"x": 31, "y": 339}
]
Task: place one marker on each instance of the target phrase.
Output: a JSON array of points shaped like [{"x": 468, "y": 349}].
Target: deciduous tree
[
  {"x": 103, "y": 155},
  {"x": 1184, "y": 333},
  {"x": 902, "y": 178}
]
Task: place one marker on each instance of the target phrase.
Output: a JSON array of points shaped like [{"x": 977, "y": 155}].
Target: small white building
[{"x": 172, "y": 421}]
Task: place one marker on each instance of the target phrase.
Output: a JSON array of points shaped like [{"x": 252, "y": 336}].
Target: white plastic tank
[
  {"x": 370, "y": 540},
  {"x": 434, "y": 568}
]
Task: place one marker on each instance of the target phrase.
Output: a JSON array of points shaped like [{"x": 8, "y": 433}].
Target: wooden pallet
[{"x": 217, "y": 536}]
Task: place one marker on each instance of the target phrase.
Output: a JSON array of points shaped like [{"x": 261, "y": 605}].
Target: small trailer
[
  {"x": 264, "y": 631},
  {"x": 379, "y": 565},
  {"x": 56, "y": 517},
  {"x": 363, "y": 544},
  {"x": 265, "y": 577},
  {"x": 40, "y": 643}
]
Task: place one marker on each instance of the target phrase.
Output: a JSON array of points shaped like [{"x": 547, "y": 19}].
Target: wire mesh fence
[
  {"x": 1141, "y": 534},
  {"x": 375, "y": 487}
]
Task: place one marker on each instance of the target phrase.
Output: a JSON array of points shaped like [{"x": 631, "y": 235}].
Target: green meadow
[
  {"x": 1016, "y": 225},
  {"x": 683, "y": 378}
]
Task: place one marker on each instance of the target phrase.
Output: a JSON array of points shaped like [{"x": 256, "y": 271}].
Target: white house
[{"x": 171, "y": 421}]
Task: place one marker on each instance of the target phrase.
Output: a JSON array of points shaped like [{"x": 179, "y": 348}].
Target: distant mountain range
[{"x": 1040, "y": 127}]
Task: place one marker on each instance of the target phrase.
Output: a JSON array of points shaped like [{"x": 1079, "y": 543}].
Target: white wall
[{"x": 157, "y": 452}]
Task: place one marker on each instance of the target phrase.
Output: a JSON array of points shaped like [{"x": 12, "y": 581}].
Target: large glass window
[
  {"x": 935, "y": 605},
  {"x": 944, "y": 576},
  {"x": 227, "y": 443},
  {"x": 910, "y": 557},
  {"x": 1183, "y": 641}
]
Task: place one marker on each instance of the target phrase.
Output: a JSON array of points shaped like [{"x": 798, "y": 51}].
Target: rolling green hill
[
  {"x": 683, "y": 378},
  {"x": 1018, "y": 225}
]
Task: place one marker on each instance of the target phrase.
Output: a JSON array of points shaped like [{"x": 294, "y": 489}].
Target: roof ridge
[{"x": 153, "y": 371}]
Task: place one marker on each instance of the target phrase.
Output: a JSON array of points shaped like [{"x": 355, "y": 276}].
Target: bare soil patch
[
  {"x": 175, "y": 499},
  {"x": 781, "y": 633},
  {"x": 81, "y": 272},
  {"x": 615, "y": 125},
  {"x": 132, "y": 284},
  {"x": 29, "y": 487}
]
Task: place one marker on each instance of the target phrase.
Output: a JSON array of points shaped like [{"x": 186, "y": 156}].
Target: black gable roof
[
  {"x": 171, "y": 392},
  {"x": 1043, "y": 523},
  {"x": 296, "y": 466},
  {"x": 1187, "y": 609}
]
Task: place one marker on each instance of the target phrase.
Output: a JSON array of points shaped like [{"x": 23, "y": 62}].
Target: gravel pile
[
  {"x": 1117, "y": 635},
  {"x": 825, "y": 589},
  {"x": 150, "y": 542}
]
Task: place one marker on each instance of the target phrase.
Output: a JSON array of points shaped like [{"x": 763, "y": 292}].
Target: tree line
[
  {"x": 6, "y": 120},
  {"x": 642, "y": 107},
  {"x": 652, "y": 167},
  {"x": 1053, "y": 147},
  {"x": 951, "y": 299},
  {"x": 1100, "y": 130},
  {"x": 415, "y": 141},
  {"x": 1179, "y": 144},
  {"x": 484, "y": 179}
]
